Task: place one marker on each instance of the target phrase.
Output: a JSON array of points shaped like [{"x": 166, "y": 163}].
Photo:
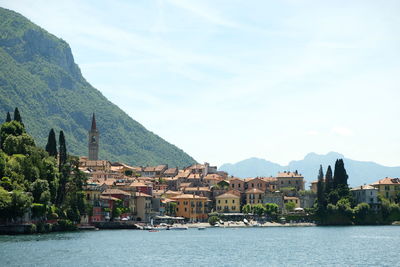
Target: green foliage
[
  {"x": 5, "y": 203},
  {"x": 8, "y": 117},
  {"x": 51, "y": 146},
  {"x": 212, "y": 220},
  {"x": 20, "y": 203},
  {"x": 65, "y": 225},
  {"x": 40, "y": 191},
  {"x": 271, "y": 209},
  {"x": 328, "y": 180},
  {"x": 290, "y": 206},
  {"x": 246, "y": 209},
  {"x": 258, "y": 209},
  {"x": 17, "y": 116},
  {"x": 38, "y": 74},
  {"x": 62, "y": 149}
]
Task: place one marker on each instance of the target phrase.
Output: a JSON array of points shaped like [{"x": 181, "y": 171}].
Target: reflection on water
[{"x": 297, "y": 246}]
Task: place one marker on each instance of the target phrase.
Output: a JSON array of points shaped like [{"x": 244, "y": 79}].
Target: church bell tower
[{"x": 93, "y": 141}]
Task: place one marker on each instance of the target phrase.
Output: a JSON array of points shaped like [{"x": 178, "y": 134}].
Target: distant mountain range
[
  {"x": 39, "y": 76},
  {"x": 359, "y": 172}
]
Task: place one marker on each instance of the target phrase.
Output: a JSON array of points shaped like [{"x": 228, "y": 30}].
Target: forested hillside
[{"x": 38, "y": 75}]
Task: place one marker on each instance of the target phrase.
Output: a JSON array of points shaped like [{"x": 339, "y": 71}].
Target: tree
[
  {"x": 17, "y": 116},
  {"x": 40, "y": 191},
  {"x": 328, "y": 180},
  {"x": 8, "y": 118},
  {"x": 51, "y": 146},
  {"x": 258, "y": 209},
  {"x": 246, "y": 209},
  {"x": 271, "y": 209},
  {"x": 321, "y": 197},
  {"x": 5, "y": 203},
  {"x": 62, "y": 149},
  {"x": 20, "y": 203},
  {"x": 10, "y": 128},
  {"x": 290, "y": 206},
  {"x": 340, "y": 176}
]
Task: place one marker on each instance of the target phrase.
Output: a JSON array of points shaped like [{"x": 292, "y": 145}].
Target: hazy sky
[{"x": 227, "y": 80}]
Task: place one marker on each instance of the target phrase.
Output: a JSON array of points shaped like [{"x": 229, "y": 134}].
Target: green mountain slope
[{"x": 38, "y": 75}]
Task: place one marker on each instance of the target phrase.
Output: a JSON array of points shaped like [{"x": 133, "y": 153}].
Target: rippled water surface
[{"x": 275, "y": 246}]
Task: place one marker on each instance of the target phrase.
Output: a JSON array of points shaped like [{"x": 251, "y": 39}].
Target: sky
[{"x": 226, "y": 80}]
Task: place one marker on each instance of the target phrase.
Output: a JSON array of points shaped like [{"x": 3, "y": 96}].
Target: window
[
  {"x": 239, "y": 185},
  {"x": 233, "y": 207},
  {"x": 233, "y": 201},
  {"x": 290, "y": 182},
  {"x": 185, "y": 209},
  {"x": 226, "y": 201},
  {"x": 219, "y": 201},
  {"x": 252, "y": 185},
  {"x": 233, "y": 185}
]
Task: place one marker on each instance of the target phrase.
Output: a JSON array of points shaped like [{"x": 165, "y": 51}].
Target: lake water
[{"x": 274, "y": 246}]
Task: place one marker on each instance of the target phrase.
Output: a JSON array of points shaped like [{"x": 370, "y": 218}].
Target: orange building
[{"x": 191, "y": 207}]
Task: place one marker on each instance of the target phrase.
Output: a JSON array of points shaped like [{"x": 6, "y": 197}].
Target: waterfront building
[
  {"x": 154, "y": 171},
  {"x": 191, "y": 207},
  {"x": 275, "y": 197},
  {"x": 388, "y": 187},
  {"x": 227, "y": 203},
  {"x": 290, "y": 180},
  {"x": 365, "y": 194},
  {"x": 237, "y": 184},
  {"x": 254, "y": 196},
  {"x": 141, "y": 207}
]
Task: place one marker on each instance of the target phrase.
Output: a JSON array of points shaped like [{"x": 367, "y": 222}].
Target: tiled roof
[
  {"x": 140, "y": 194},
  {"x": 188, "y": 196},
  {"x": 289, "y": 175},
  {"x": 113, "y": 191},
  {"x": 228, "y": 195},
  {"x": 388, "y": 181},
  {"x": 254, "y": 191},
  {"x": 363, "y": 187},
  {"x": 197, "y": 189}
]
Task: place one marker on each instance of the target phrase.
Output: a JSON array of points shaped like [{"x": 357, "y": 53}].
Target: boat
[
  {"x": 201, "y": 228},
  {"x": 153, "y": 230}
]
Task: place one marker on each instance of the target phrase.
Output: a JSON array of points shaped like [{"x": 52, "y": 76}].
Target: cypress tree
[
  {"x": 51, "y": 146},
  {"x": 62, "y": 149},
  {"x": 8, "y": 119},
  {"x": 328, "y": 180},
  {"x": 340, "y": 176},
  {"x": 17, "y": 116},
  {"x": 321, "y": 190}
]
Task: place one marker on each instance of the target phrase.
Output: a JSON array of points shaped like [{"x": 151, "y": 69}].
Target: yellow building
[
  {"x": 191, "y": 207},
  {"x": 227, "y": 202},
  {"x": 388, "y": 187}
]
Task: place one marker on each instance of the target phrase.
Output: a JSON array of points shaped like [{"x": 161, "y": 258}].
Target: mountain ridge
[
  {"x": 39, "y": 76},
  {"x": 359, "y": 172}
]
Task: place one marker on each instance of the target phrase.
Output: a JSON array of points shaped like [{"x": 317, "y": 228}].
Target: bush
[
  {"x": 66, "y": 225},
  {"x": 213, "y": 220}
]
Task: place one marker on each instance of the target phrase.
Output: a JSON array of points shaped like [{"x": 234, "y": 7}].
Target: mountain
[
  {"x": 39, "y": 76},
  {"x": 359, "y": 172}
]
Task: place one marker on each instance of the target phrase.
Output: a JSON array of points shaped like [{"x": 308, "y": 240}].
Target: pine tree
[
  {"x": 340, "y": 176},
  {"x": 328, "y": 180},
  {"x": 8, "y": 119},
  {"x": 17, "y": 116},
  {"x": 62, "y": 149},
  {"x": 51, "y": 146}
]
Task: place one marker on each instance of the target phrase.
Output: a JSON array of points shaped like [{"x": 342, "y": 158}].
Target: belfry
[{"x": 93, "y": 141}]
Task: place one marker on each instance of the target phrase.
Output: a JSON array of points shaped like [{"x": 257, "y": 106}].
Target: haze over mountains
[
  {"x": 359, "y": 172},
  {"x": 39, "y": 76}
]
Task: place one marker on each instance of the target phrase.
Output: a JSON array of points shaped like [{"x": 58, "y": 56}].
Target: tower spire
[{"x": 94, "y": 122}]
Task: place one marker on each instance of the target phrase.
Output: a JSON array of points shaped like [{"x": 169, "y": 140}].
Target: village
[{"x": 163, "y": 195}]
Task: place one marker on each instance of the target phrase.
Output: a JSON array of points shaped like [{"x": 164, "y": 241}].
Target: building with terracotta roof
[
  {"x": 154, "y": 171},
  {"x": 191, "y": 207},
  {"x": 227, "y": 203},
  {"x": 290, "y": 180},
  {"x": 141, "y": 207},
  {"x": 388, "y": 187},
  {"x": 237, "y": 184},
  {"x": 171, "y": 172},
  {"x": 254, "y": 196}
]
